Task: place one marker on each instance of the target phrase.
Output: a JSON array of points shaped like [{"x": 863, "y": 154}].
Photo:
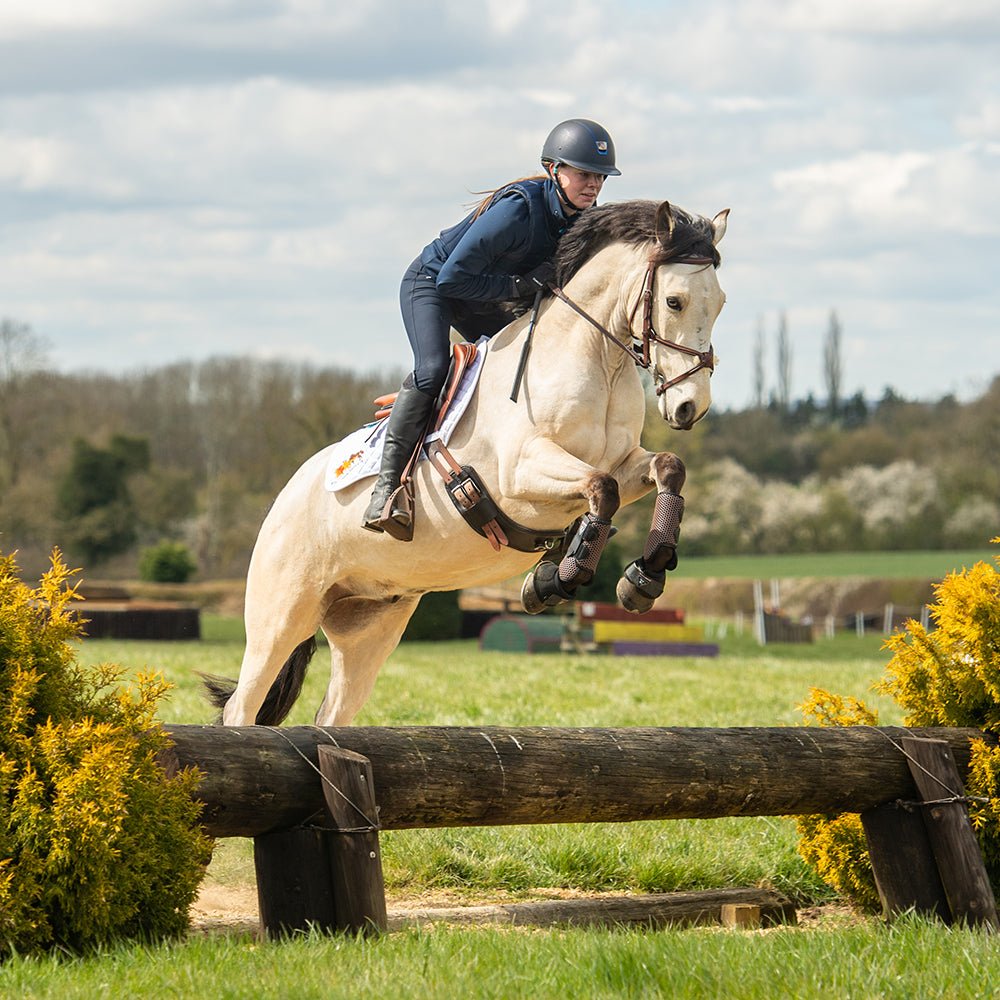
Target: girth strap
[{"x": 473, "y": 501}]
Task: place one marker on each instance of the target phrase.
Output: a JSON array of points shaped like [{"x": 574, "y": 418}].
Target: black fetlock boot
[{"x": 407, "y": 423}]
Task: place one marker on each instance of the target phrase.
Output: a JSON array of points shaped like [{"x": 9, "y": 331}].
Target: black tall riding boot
[{"x": 407, "y": 422}]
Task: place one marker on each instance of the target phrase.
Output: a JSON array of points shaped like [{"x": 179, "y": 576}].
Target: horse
[{"x": 560, "y": 461}]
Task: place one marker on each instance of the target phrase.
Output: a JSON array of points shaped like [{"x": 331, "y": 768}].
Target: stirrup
[{"x": 396, "y": 517}]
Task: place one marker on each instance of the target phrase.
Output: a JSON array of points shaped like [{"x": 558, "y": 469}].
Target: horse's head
[
  {"x": 668, "y": 297},
  {"x": 676, "y": 310}
]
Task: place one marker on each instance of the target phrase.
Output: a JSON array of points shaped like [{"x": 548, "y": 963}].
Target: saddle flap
[{"x": 462, "y": 355}]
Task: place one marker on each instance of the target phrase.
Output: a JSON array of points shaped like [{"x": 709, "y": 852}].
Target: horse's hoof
[
  {"x": 631, "y": 599},
  {"x": 638, "y": 589},
  {"x": 530, "y": 600}
]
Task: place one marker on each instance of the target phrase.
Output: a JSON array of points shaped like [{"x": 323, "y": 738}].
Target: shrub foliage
[
  {"x": 947, "y": 676},
  {"x": 167, "y": 562},
  {"x": 97, "y": 843}
]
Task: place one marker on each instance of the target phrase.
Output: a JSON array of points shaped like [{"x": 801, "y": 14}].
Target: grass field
[
  {"x": 455, "y": 683},
  {"x": 886, "y": 565}
]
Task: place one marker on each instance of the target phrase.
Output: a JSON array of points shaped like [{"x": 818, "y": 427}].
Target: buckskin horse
[{"x": 636, "y": 287}]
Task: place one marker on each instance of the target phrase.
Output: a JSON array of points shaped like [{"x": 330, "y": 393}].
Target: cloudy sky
[{"x": 182, "y": 179}]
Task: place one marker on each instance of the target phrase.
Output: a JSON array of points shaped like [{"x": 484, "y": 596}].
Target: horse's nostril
[{"x": 684, "y": 414}]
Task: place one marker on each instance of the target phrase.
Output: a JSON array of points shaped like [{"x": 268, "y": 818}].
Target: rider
[{"x": 500, "y": 253}]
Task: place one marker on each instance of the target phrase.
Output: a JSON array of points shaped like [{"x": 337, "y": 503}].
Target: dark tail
[{"x": 283, "y": 693}]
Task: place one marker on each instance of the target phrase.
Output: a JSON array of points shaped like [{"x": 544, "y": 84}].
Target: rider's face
[{"x": 580, "y": 187}]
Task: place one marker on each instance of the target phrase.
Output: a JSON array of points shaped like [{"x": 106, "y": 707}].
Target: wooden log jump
[
  {"x": 258, "y": 779},
  {"x": 316, "y": 841}
]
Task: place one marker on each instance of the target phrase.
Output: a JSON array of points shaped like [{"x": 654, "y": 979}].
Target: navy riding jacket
[{"x": 476, "y": 259}]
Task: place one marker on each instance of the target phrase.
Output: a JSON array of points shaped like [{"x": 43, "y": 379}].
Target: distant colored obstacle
[
  {"x": 658, "y": 632},
  {"x": 596, "y": 627},
  {"x": 523, "y": 634}
]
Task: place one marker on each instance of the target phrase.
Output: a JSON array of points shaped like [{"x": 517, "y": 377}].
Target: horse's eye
[{"x": 674, "y": 303}]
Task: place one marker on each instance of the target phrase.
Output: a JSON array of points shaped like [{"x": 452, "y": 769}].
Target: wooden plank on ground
[{"x": 650, "y": 910}]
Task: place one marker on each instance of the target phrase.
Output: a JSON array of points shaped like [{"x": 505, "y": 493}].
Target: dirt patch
[{"x": 226, "y": 909}]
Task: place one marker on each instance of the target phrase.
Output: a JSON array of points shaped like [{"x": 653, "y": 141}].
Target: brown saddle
[
  {"x": 462, "y": 355},
  {"x": 462, "y": 483}
]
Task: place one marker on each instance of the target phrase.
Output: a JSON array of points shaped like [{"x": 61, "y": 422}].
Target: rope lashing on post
[{"x": 372, "y": 824}]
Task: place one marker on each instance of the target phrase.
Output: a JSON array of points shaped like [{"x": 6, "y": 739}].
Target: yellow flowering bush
[
  {"x": 96, "y": 843},
  {"x": 946, "y": 676},
  {"x": 835, "y": 846}
]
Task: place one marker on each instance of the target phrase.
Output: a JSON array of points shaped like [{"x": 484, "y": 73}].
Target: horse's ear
[
  {"x": 719, "y": 225},
  {"x": 665, "y": 223}
]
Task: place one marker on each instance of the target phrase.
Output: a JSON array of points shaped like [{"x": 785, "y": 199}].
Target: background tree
[
  {"x": 784, "y": 357},
  {"x": 832, "y": 365},
  {"x": 94, "y": 500},
  {"x": 22, "y": 352},
  {"x": 218, "y": 439},
  {"x": 758, "y": 366}
]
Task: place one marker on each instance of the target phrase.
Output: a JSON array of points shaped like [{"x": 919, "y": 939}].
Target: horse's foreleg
[
  {"x": 550, "y": 583},
  {"x": 643, "y": 580}
]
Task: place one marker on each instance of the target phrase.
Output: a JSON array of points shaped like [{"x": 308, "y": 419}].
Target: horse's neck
[{"x": 601, "y": 289}]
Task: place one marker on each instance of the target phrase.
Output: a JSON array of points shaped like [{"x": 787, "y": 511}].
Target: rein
[{"x": 706, "y": 359}]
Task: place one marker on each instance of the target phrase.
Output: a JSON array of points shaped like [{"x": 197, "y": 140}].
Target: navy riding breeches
[{"x": 428, "y": 317}]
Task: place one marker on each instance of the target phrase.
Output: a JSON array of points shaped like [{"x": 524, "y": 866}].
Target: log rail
[{"x": 260, "y": 779}]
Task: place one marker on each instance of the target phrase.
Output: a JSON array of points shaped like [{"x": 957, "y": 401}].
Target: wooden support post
[
  {"x": 949, "y": 830},
  {"x": 326, "y": 877},
  {"x": 352, "y": 846},
  {"x": 906, "y": 873},
  {"x": 293, "y": 881}
]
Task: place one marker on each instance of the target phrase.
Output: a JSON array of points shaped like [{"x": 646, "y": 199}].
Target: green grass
[
  {"x": 456, "y": 683},
  {"x": 894, "y": 565},
  {"x": 911, "y": 959}
]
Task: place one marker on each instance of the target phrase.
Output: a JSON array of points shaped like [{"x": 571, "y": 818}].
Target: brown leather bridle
[{"x": 706, "y": 359}]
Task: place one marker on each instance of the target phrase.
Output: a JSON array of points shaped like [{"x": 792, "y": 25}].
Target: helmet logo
[{"x": 602, "y": 146}]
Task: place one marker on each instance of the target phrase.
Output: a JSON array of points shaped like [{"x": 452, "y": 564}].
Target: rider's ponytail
[{"x": 481, "y": 206}]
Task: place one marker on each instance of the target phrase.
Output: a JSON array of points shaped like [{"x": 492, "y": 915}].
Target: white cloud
[
  {"x": 907, "y": 191},
  {"x": 889, "y": 17},
  {"x": 182, "y": 177}
]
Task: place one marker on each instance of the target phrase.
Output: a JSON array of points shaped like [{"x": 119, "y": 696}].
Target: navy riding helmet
[{"x": 583, "y": 144}]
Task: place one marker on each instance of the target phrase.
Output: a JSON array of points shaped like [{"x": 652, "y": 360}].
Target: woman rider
[{"x": 498, "y": 254}]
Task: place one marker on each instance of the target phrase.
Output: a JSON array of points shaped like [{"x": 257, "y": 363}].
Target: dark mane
[{"x": 674, "y": 233}]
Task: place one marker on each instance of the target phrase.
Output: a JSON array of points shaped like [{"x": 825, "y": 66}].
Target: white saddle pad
[{"x": 359, "y": 455}]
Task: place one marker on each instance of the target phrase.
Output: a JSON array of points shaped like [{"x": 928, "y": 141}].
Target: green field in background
[{"x": 885, "y": 565}]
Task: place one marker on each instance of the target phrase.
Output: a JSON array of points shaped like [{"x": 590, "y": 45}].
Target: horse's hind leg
[
  {"x": 362, "y": 632},
  {"x": 275, "y": 628},
  {"x": 550, "y": 583}
]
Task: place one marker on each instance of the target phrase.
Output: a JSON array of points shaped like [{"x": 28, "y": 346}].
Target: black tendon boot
[{"x": 407, "y": 422}]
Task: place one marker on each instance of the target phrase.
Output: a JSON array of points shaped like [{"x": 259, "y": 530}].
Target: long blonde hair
[{"x": 481, "y": 206}]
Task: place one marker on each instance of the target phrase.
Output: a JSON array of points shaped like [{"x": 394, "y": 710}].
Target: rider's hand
[{"x": 528, "y": 285}]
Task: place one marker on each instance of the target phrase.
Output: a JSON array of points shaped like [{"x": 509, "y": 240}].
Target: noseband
[{"x": 706, "y": 359}]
